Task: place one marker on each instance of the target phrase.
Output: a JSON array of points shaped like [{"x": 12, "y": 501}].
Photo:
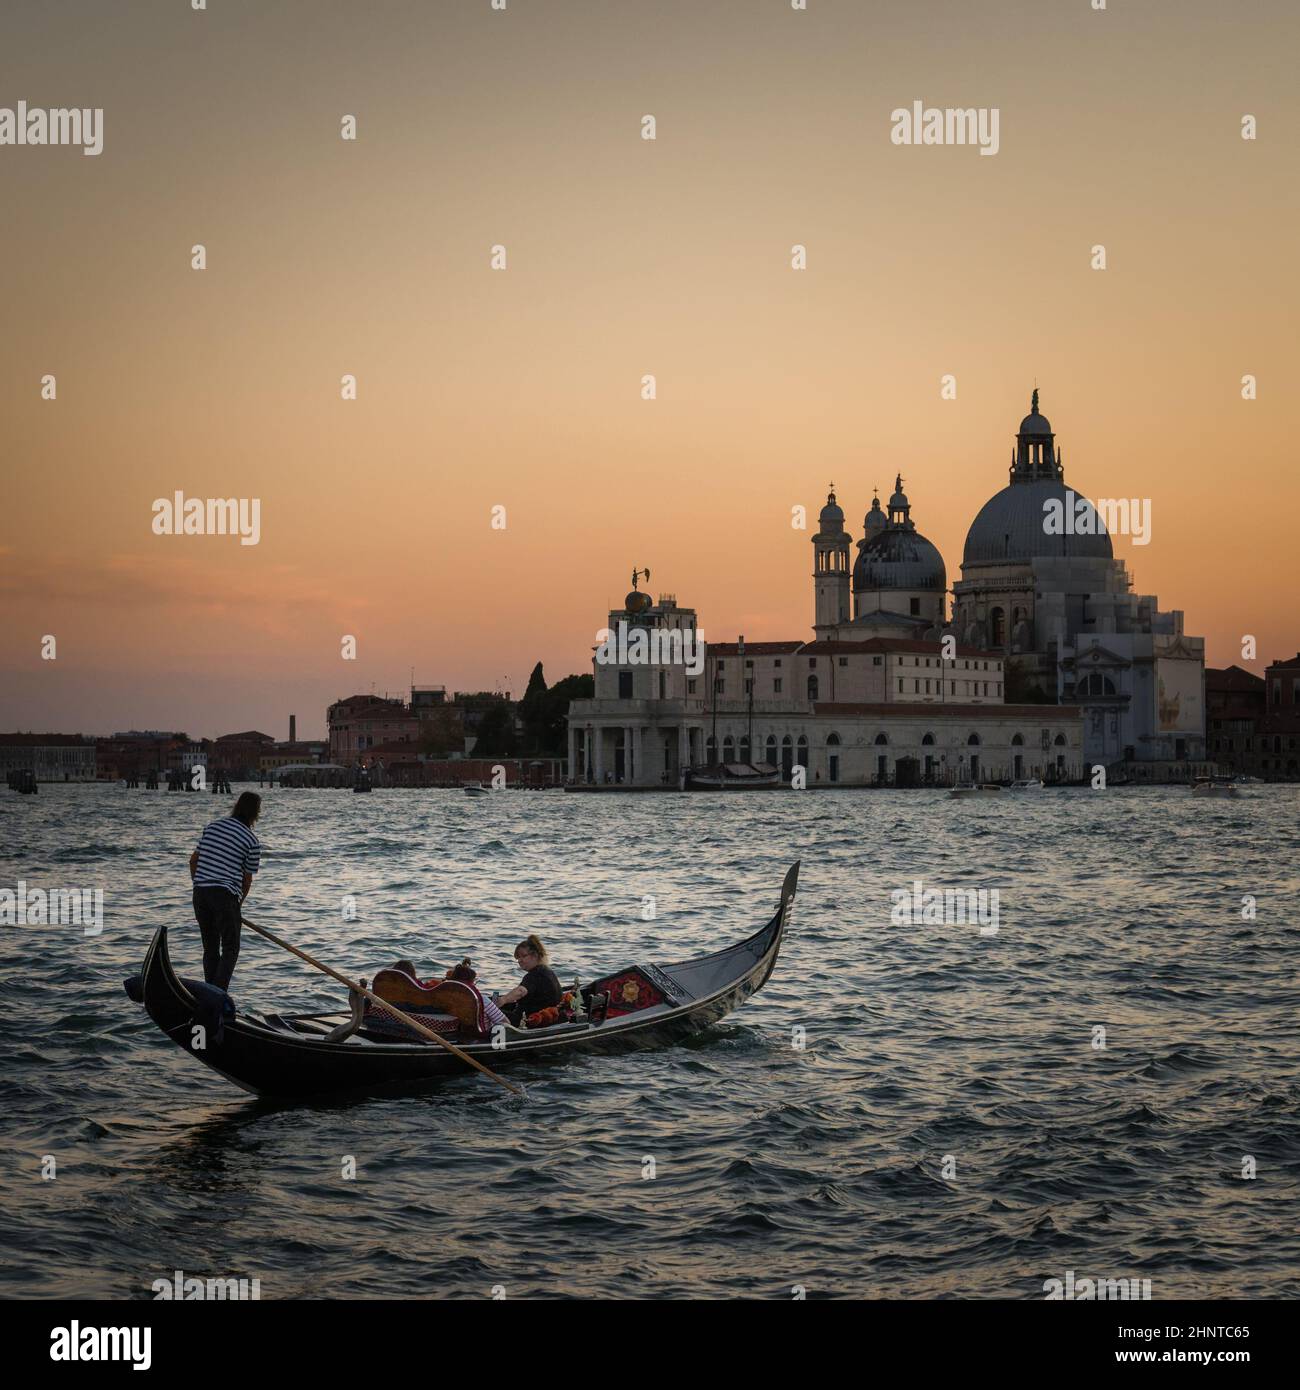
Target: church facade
[{"x": 1047, "y": 666}]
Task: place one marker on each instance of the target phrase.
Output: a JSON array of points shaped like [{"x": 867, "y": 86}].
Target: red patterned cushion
[{"x": 628, "y": 992}]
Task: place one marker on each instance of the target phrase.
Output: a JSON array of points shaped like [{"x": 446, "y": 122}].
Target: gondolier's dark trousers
[{"x": 217, "y": 912}]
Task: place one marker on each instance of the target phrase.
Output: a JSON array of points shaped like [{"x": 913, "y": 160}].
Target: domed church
[
  {"x": 1049, "y": 666},
  {"x": 1060, "y": 608}
]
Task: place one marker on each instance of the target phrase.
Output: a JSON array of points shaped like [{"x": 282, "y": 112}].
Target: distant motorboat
[
  {"x": 982, "y": 789},
  {"x": 1026, "y": 784},
  {"x": 1209, "y": 786},
  {"x": 476, "y": 789},
  {"x": 1245, "y": 779},
  {"x": 732, "y": 777}
]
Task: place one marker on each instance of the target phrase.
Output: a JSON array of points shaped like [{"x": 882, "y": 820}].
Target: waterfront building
[
  {"x": 365, "y": 728},
  {"x": 1234, "y": 714},
  {"x": 1281, "y": 728},
  {"x": 852, "y": 707},
  {"x": 49, "y": 757},
  {"x": 361, "y": 723},
  {"x": 239, "y": 756},
  {"x": 1045, "y": 627}
]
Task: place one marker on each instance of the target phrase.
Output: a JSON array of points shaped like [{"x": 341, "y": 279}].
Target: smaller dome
[
  {"x": 898, "y": 558},
  {"x": 874, "y": 519},
  {"x": 832, "y": 511},
  {"x": 637, "y": 602},
  {"x": 899, "y": 500}
]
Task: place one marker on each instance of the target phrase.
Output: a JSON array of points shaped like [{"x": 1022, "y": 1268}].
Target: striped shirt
[
  {"x": 227, "y": 851},
  {"x": 491, "y": 1013}
]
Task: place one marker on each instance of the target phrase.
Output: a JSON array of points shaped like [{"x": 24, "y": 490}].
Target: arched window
[
  {"x": 744, "y": 749},
  {"x": 1097, "y": 684},
  {"x": 1060, "y": 740},
  {"x": 832, "y": 740},
  {"x": 771, "y": 749},
  {"x": 997, "y": 627},
  {"x": 1018, "y": 741},
  {"x": 927, "y": 741},
  {"x": 787, "y": 757},
  {"x": 812, "y": 688},
  {"x": 728, "y": 750},
  {"x": 710, "y": 750},
  {"x": 833, "y": 757},
  {"x": 973, "y": 740},
  {"x": 803, "y": 746},
  {"x": 881, "y": 740}
]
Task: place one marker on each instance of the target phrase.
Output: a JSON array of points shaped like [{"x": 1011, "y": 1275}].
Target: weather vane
[{"x": 640, "y": 574}]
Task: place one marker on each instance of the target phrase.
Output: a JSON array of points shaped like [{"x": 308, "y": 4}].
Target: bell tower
[{"x": 830, "y": 568}]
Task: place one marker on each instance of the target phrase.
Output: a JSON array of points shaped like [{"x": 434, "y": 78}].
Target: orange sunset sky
[{"x": 521, "y": 387}]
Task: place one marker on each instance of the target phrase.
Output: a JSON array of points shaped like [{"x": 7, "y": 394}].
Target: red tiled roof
[
  {"x": 826, "y": 647},
  {"x": 753, "y": 648},
  {"x": 45, "y": 740},
  {"x": 1232, "y": 678},
  {"x": 901, "y": 709}
]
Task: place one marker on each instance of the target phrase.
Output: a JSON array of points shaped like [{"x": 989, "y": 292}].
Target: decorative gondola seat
[{"x": 449, "y": 1008}]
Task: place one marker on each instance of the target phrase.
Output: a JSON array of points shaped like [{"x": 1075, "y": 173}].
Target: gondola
[{"x": 291, "y": 1056}]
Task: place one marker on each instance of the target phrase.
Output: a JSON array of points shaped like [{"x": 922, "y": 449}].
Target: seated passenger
[
  {"x": 540, "y": 987},
  {"x": 466, "y": 974}
]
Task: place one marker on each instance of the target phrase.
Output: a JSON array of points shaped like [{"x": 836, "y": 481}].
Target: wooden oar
[{"x": 384, "y": 1004}]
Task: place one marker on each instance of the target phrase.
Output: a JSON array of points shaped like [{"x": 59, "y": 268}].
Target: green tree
[
  {"x": 533, "y": 712},
  {"x": 555, "y": 726},
  {"x": 496, "y": 733}
]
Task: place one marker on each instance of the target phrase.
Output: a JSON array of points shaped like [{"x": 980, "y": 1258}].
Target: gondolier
[{"x": 222, "y": 868}]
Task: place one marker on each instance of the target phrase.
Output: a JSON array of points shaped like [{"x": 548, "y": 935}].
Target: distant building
[
  {"x": 293, "y": 754},
  {"x": 1234, "y": 717},
  {"x": 238, "y": 757},
  {"x": 361, "y": 723},
  {"x": 1281, "y": 727},
  {"x": 872, "y": 700},
  {"x": 51, "y": 757},
  {"x": 136, "y": 753}
]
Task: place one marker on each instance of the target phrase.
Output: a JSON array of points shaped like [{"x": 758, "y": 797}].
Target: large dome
[
  {"x": 1010, "y": 527},
  {"x": 898, "y": 558}
]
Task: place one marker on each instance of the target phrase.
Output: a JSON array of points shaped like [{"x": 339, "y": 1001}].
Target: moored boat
[
  {"x": 981, "y": 789},
  {"x": 476, "y": 789},
  {"x": 1026, "y": 784},
  {"x": 311, "y": 1054},
  {"x": 732, "y": 777},
  {"x": 1212, "y": 786}
]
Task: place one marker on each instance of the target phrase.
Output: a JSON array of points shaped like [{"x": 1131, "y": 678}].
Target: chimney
[{"x": 293, "y": 728}]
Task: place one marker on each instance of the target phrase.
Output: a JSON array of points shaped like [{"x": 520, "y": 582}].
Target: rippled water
[{"x": 773, "y": 1167}]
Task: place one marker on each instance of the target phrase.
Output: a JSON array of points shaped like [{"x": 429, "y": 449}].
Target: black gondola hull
[{"x": 265, "y": 1057}]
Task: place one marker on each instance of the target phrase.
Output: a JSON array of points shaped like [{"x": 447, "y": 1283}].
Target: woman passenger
[{"x": 540, "y": 987}]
